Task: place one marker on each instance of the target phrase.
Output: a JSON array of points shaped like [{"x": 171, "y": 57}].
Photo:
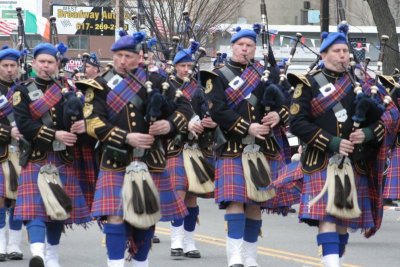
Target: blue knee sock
[
  {"x": 36, "y": 231},
  {"x": 236, "y": 224},
  {"x": 343, "y": 240},
  {"x": 115, "y": 240},
  {"x": 252, "y": 230},
  {"x": 329, "y": 242},
  {"x": 54, "y": 231},
  {"x": 143, "y": 240},
  {"x": 191, "y": 219},
  {"x": 177, "y": 223},
  {"x": 2, "y": 217},
  {"x": 13, "y": 224}
]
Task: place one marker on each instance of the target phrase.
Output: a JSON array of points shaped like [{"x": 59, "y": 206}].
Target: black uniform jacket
[
  {"x": 236, "y": 122},
  {"x": 131, "y": 119},
  {"x": 319, "y": 133},
  {"x": 5, "y": 127}
]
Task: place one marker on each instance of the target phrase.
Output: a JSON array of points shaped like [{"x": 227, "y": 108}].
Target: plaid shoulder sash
[
  {"x": 125, "y": 90},
  {"x": 251, "y": 81},
  {"x": 6, "y": 108},
  {"x": 42, "y": 105},
  {"x": 189, "y": 90},
  {"x": 321, "y": 104}
]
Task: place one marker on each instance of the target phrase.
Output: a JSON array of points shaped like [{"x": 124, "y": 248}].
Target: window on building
[
  {"x": 12, "y": 41},
  {"x": 80, "y": 42},
  {"x": 33, "y": 40},
  {"x": 304, "y": 17}
]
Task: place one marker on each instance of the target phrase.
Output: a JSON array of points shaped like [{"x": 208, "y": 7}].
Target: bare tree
[
  {"x": 386, "y": 26},
  {"x": 186, "y": 18}
]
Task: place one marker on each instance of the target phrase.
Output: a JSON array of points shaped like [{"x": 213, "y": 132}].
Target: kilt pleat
[
  {"x": 29, "y": 204},
  {"x": 107, "y": 197},
  {"x": 172, "y": 206},
  {"x": 177, "y": 173},
  {"x": 2, "y": 183},
  {"x": 85, "y": 162},
  {"x": 313, "y": 184},
  {"x": 286, "y": 196},
  {"x": 392, "y": 184}
]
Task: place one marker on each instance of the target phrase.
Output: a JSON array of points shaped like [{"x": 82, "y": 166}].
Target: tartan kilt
[
  {"x": 177, "y": 174},
  {"x": 392, "y": 185},
  {"x": 107, "y": 197},
  {"x": 312, "y": 186},
  {"x": 2, "y": 183},
  {"x": 84, "y": 161},
  {"x": 286, "y": 184},
  {"x": 172, "y": 206},
  {"x": 230, "y": 184},
  {"x": 29, "y": 204}
]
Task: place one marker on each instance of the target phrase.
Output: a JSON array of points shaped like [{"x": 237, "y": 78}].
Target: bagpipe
[{"x": 21, "y": 46}]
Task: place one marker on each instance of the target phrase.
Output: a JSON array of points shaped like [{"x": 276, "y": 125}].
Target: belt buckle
[
  {"x": 58, "y": 146},
  {"x": 13, "y": 149},
  {"x": 138, "y": 152}
]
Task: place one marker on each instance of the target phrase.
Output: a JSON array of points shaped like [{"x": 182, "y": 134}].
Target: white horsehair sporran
[
  {"x": 13, "y": 156},
  {"x": 253, "y": 161},
  {"x": 49, "y": 174},
  {"x": 198, "y": 180},
  {"x": 341, "y": 188},
  {"x": 138, "y": 190}
]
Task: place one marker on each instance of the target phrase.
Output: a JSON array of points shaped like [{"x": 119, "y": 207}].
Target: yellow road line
[{"x": 289, "y": 256}]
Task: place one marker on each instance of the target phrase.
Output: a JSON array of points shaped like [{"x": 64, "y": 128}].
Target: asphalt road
[{"x": 285, "y": 243}]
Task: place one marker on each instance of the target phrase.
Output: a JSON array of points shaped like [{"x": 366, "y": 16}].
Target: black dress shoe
[
  {"x": 193, "y": 254},
  {"x": 15, "y": 256},
  {"x": 3, "y": 257},
  {"x": 156, "y": 239},
  {"x": 389, "y": 203},
  {"x": 291, "y": 210},
  {"x": 237, "y": 265},
  {"x": 36, "y": 261},
  {"x": 176, "y": 252}
]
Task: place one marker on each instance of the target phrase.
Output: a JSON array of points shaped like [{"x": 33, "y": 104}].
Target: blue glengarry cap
[
  {"x": 45, "y": 48},
  {"x": 131, "y": 43},
  {"x": 183, "y": 56},
  {"x": 244, "y": 33},
  {"x": 329, "y": 39},
  {"x": 186, "y": 55},
  {"x": 9, "y": 54}
]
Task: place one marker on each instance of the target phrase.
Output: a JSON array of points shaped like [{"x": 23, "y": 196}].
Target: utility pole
[{"x": 324, "y": 17}]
